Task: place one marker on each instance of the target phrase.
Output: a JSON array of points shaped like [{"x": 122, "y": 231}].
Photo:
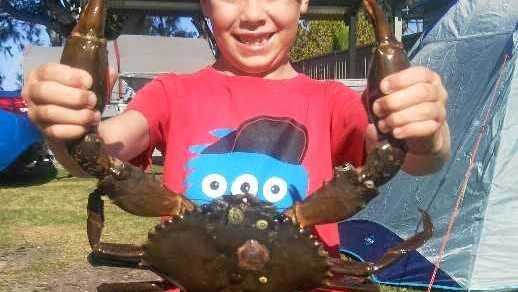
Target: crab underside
[{"x": 236, "y": 244}]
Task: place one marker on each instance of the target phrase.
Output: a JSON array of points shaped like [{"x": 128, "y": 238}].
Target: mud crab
[{"x": 235, "y": 243}]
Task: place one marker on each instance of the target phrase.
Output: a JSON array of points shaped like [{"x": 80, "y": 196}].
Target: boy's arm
[{"x": 125, "y": 136}]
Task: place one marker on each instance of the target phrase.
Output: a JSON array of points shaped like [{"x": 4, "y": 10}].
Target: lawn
[{"x": 43, "y": 244}]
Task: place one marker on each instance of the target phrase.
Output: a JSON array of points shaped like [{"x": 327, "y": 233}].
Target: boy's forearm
[
  {"x": 118, "y": 140},
  {"x": 424, "y": 164}
]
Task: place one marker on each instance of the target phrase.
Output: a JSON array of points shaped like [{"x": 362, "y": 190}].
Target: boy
[{"x": 248, "y": 123}]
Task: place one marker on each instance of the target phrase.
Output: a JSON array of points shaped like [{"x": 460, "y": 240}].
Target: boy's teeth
[{"x": 257, "y": 41}]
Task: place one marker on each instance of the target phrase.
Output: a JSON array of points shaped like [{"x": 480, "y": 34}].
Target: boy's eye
[
  {"x": 275, "y": 189},
  {"x": 214, "y": 185},
  {"x": 245, "y": 184}
]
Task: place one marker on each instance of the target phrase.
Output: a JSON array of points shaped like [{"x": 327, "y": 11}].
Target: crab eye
[
  {"x": 214, "y": 185},
  {"x": 274, "y": 189},
  {"x": 245, "y": 184}
]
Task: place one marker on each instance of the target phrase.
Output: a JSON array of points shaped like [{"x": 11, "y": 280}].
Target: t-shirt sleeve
[
  {"x": 152, "y": 101},
  {"x": 348, "y": 125}
]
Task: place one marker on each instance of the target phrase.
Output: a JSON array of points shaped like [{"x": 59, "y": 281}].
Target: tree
[
  {"x": 364, "y": 30},
  {"x": 15, "y": 35},
  {"x": 341, "y": 39},
  {"x": 49, "y": 22},
  {"x": 320, "y": 37},
  {"x": 317, "y": 37},
  {"x": 171, "y": 26}
]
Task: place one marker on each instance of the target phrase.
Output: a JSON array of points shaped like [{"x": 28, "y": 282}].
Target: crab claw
[
  {"x": 142, "y": 194},
  {"x": 351, "y": 189}
]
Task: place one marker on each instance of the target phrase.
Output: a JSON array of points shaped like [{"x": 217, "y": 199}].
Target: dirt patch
[
  {"x": 87, "y": 278},
  {"x": 82, "y": 277}
]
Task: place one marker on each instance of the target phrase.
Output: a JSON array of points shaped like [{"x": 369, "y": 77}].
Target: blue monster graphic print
[{"x": 262, "y": 157}]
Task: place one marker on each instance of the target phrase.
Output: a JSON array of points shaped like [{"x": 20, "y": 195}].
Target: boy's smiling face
[{"x": 254, "y": 36}]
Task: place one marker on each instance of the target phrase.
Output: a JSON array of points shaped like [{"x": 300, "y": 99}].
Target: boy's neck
[{"x": 284, "y": 71}]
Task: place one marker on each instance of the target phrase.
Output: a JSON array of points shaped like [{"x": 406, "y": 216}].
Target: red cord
[{"x": 118, "y": 58}]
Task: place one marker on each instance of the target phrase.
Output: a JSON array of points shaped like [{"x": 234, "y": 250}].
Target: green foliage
[
  {"x": 364, "y": 30},
  {"x": 315, "y": 38},
  {"x": 320, "y": 37},
  {"x": 341, "y": 39}
]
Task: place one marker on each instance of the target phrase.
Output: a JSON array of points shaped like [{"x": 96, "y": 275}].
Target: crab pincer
[{"x": 128, "y": 186}]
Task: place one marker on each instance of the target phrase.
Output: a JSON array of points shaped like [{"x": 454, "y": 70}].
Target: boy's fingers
[
  {"x": 52, "y": 114},
  {"x": 61, "y": 132},
  {"x": 51, "y": 92},
  {"x": 420, "y": 129},
  {"x": 427, "y": 111},
  {"x": 65, "y": 75},
  {"x": 408, "y": 77},
  {"x": 404, "y": 98}
]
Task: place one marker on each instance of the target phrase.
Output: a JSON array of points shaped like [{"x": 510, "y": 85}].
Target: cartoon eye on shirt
[{"x": 262, "y": 157}]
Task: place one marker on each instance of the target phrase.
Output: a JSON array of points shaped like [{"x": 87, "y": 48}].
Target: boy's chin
[{"x": 257, "y": 67}]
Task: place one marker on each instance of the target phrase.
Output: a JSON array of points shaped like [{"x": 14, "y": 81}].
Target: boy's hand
[
  {"x": 414, "y": 109},
  {"x": 59, "y": 100}
]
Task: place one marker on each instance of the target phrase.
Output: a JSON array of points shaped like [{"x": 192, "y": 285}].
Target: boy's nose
[{"x": 252, "y": 14}]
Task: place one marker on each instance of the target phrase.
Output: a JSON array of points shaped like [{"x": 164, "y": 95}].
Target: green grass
[
  {"x": 43, "y": 229},
  {"x": 50, "y": 220}
]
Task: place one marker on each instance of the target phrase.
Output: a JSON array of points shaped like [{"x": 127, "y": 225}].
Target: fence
[{"x": 335, "y": 65}]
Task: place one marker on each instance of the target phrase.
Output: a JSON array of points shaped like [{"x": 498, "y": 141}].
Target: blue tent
[
  {"x": 18, "y": 133},
  {"x": 473, "y": 200}
]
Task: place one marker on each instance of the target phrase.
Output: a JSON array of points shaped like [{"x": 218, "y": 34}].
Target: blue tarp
[
  {"x": 17, "y": 133},
  {"x": 474, "y": 47}
]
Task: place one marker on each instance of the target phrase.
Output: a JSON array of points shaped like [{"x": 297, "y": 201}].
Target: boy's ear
[{"x": 303, "y": 6}]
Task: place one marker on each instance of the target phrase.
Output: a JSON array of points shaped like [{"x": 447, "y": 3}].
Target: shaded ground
[
  {"x": 81, "y": 277},
  {"x": 43, "y": 244}
]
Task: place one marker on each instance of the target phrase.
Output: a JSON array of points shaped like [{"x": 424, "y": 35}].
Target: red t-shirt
[{"x": 278, "y": 139}]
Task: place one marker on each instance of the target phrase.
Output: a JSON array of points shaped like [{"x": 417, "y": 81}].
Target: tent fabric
[
  {"x": 497, "y": 249},
  {"x": 474, "y": 47}
]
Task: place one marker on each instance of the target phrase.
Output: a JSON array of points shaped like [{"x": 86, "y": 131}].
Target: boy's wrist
[
  {"x": 424, "y": 162},
  {"x": 435, "y": 145}
]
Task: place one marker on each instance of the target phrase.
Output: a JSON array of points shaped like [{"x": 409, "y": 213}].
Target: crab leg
[
  {"x": 152, "y": 286},
  {"x": 128, "y": 255},
  {"x": 86, "y": 48},
  {"x": 341, "y": 198},
  {"x": 135, "y": 192},
  {"x": 393, "y": 254},
  {"x": 129, "y": 187},
  {"x": 352, "y": 284},
  {"x": 351, "y": 189}
]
